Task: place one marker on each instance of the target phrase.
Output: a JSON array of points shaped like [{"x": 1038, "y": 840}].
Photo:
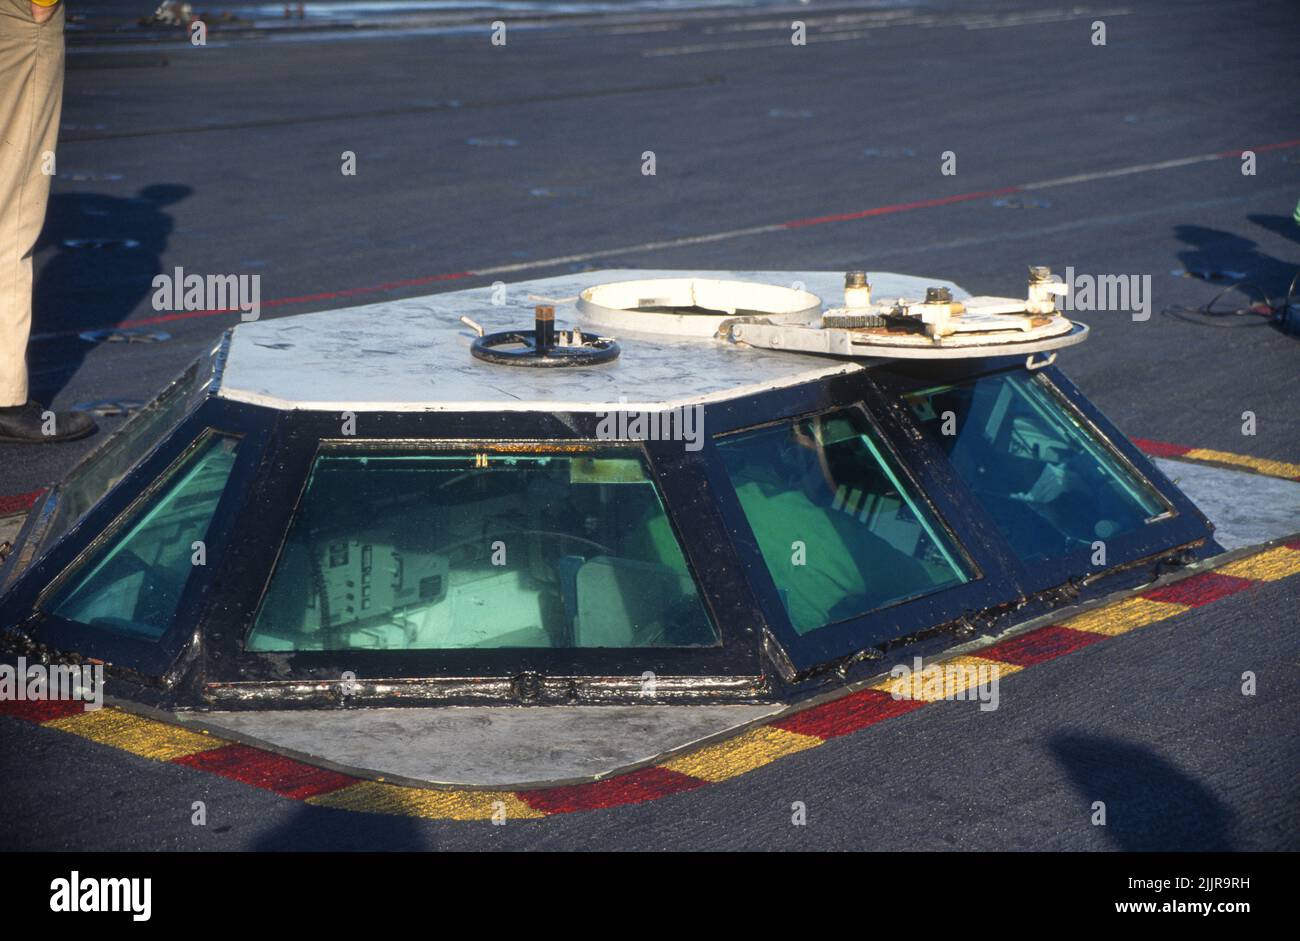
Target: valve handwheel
[{"x": 544, "y": 346}]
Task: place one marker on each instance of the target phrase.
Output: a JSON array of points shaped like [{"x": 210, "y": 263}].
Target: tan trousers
[{"x": 31, "y": 98}]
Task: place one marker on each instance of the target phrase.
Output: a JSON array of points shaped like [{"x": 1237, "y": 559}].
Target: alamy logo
[
  {"x": 1108, "y": 292},
  {"x": 953, "y": 680},
  {"x": 76, "y": 894},
  {"x": 38, "y": 682},
  {"x": 683, "y": 423},
  {"x": 180, "y": 291}
]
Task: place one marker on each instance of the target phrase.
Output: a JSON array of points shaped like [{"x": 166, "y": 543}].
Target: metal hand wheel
[{"x": 544, "y": 346}]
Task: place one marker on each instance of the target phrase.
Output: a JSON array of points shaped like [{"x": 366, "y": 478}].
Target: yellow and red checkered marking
[
  {"x": 714, "y": 763},
  {"x": 950, "y": 679},
  {"x": 147, "y": 738},
  {"x": 378, "y": 797},
  {"x": 1267, "y": 566},
  {"x": 1260, "y": 465},
  {"x": 741, "y": 753}
]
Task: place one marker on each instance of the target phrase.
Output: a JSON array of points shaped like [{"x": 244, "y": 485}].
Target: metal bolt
[
  {"x": 527, "y": 686},
  {"x": 544, "y": 328}
]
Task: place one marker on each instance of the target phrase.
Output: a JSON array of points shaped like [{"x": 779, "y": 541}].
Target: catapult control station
[{"x": 616, "y": 487}]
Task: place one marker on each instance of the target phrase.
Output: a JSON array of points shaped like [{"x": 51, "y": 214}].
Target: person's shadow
[
  {"x": 107, "y": 252},
  {"x": 1285, "y": 226},
  {"x": 327, "y": 830},
  {"x": 1151, "y": 803}
]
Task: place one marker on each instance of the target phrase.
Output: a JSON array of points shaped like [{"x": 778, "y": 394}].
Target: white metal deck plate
[{"x": 413, "y": 355}]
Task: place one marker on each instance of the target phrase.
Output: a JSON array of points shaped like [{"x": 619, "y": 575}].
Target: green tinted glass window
[
  {"x": 838, "y": 528},
  {"x": 456, "y": 549},
  {"x": 1048, "y": 481},
  {"x": 133, "y": 584},
  {"x": 109, "y": 463}
]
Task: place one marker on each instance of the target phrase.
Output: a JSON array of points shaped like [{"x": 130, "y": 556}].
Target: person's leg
[{"x": 31, "y": 100}]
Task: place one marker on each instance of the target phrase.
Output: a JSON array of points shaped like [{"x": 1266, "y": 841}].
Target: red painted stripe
[
  {"x": 1199, "y": 589},
  {"x": 793, "y": 224},
  {"x": 19, "y": 502},
  {"x": 1160, "y": 448},
  {"x": 40, "y": 710},
  {"x": 450, "y": 276},
  {"x": 1261, "y": 149},
  {"x": 901, "y": 207},
  {"x": 848, "y": 714},
  {"x": 271, "y": 772},
  {"x": 1046, "y": 643},
  {"x": 300, "y": 299},
  {"x": 635, "y": 787}
]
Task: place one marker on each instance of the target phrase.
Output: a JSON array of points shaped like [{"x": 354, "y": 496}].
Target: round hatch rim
[{"x": 615, "y": 305}]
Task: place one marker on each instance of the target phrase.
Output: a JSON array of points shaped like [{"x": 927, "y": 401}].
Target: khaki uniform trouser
[{"x": 31, "y": 98}]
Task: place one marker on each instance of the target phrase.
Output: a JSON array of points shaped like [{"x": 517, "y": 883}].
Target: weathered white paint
[
  {"x": 500, "y": 746},
  {"x": 413, "y": 355},
  {"x": 1247, "y": 509}
]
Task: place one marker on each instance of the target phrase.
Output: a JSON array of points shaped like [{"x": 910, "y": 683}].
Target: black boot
[{"x": 25, "y": 423}]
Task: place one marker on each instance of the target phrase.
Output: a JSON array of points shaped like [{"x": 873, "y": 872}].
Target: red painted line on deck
[
  {"x": 340, "y": 294},
  {"x": 792, "y": 224},
  {"x": 847, "y": 714},
  {"x": 901, "y": 207},
  {"x": 635, "y": 787},
  {"x": 1039, "y": 646},
  {"x": 267, "y": 770},
  {"x": 19, "y": 502},
  {"x": 1262, "y": 148},
  {"x": 40, "y": 710},
  {"x": 1199, "y": 589},
  {"x": 1160, "y": 448}
]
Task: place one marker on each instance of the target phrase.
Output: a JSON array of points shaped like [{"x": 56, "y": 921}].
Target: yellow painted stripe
[
  {"x": 1268, "y": 566},
  {"x": 376, "y": 797},
  {"x": 140, "y": 736},
  {"x": 744, "y": 753},
  {"x": 1127, "y": 615},
  {"x": 946, "y": 679},
  {"x": 1258, "y": 464}
]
